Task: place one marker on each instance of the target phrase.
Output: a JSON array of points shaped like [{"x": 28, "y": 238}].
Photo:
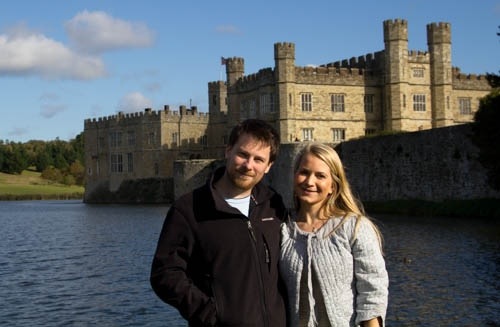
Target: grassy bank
[
  {"x": 30, "y": 186},
  {"x": 487, "y": 208}
]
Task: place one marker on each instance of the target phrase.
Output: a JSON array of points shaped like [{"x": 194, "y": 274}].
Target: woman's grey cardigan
[{"x": 349, "y": 267}]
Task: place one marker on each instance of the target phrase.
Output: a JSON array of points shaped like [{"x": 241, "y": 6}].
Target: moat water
[{"x": 65, "y": 263}]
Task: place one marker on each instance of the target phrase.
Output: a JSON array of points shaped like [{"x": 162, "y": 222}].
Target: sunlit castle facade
[{"x": 392, "y": 90}]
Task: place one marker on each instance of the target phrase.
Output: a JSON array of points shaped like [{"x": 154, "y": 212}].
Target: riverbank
[
  {"x": 30, "y": 186},
  {"x": 484, "y": 208}
]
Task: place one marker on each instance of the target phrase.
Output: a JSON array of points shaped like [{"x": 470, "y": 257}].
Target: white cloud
[
  {"x": 50, "y": 110},
  {"x": 24, "y": 52},
  {"x": 227, "y": 29},
  {"x": 96, "y": 32},
  {"x": 19, "y": 131},
  {"x": 134, "y": 102}
]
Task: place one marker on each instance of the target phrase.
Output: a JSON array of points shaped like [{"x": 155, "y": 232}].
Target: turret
[
  {"x": 284, "y": 70},
  {"x": 235, "y": 69},
  {"x": 217, "y": 97},
  {"x": 284, "y": 60},
  {"x": 396, "y": 77},
  {"x": 439, "y": 44}
]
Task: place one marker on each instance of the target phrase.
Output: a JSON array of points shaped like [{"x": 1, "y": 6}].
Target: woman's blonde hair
[{"x": 341, "y": 202}]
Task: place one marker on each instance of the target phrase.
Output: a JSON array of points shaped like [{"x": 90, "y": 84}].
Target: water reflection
[
  {"x": 443, "y": 271},
  {"x": 67, "y": 263}
]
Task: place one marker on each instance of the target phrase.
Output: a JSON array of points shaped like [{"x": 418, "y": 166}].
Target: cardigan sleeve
[{"x": 371, "y": 278}]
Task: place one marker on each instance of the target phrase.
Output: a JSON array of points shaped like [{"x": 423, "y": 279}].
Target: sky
[{"x": 62, "y": 62}]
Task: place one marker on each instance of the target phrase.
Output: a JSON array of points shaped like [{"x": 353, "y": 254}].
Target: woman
[{"x": 331, "y": 257}]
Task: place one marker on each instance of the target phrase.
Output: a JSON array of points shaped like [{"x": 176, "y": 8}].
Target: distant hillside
[{"x": 30, "y": 186}]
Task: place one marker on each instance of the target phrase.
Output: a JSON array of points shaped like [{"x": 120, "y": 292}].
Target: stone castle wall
[
  {"x": 437, "y": 164},
  {"x": 298, "y": 101},
  {"x": 434, "y": 165}
]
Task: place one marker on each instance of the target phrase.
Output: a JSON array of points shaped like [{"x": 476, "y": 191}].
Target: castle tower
[
  {"x": 284, "y": 61},
  {"x": 235, "y": 69},
  {"x": 396, "y": 75},
  {"x": 439, "y": 44},
  {"x": 217, "y": 98},
  {"x": 217, "y": 109}
]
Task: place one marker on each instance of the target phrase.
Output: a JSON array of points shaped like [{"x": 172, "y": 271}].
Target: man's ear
[
  {"x": 268, "y": 167},
  {"x": 226, "y": 153}
]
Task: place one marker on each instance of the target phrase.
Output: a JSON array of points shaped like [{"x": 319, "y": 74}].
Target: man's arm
[{"x": 169, "y": 277}]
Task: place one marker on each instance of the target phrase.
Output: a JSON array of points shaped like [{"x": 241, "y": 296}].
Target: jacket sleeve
[
  {"x": 371, "y": 276},
  {"x": 169, "y": 274}
]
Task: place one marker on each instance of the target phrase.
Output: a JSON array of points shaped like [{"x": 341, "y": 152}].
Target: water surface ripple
[{"x": 65, "y": 263}]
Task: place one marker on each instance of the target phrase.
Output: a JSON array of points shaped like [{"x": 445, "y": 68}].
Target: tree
[
  {"x": 14, "y": 158},
  {"x": 486, "y": 128},
  {"x": 77, "y": 170}
]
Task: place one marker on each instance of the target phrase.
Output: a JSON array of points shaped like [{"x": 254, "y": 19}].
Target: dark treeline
[{"x": 57, "y": 160}]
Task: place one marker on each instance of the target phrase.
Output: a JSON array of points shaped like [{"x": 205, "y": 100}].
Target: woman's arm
[{"x": 372, "y": 281}]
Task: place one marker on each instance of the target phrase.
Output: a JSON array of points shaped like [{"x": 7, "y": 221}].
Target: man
[{"x": 217, "y": 255}]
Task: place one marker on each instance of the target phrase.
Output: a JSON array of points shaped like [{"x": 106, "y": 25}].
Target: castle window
[
  {"x": 267, "y": 103},
  {"x": 175, "y": 138},
  {"x": 116, "y": 163},
  {"x": 203, "y": 140},
  {"x": 338, "y": 134},
  {"x": 418, "y": 72},
  {"x": 419, "y": 102},
  {"x": 214, "y": 99},
  {"x": 369, "y": 131},
  {"x": 151, "y": 138},
  {"x": 130, "y": 162},
  {"x": 100, "y": 142},
  {"x": 306, "y": 101},
  {"x": 307, "y": 134},
  {"x": 131, "y": 137},
  {"x": 252, "y": 109},
  {"x": 337, "y": 101},
  {"x": 464, "y": 105},
  {"x": 368, "y": 101},
  {"x": 404, "y": 100},
  {"x": 115, "y": 139}
]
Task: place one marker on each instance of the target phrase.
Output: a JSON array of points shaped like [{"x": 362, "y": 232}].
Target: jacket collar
[{"x": 260, "y": 193}]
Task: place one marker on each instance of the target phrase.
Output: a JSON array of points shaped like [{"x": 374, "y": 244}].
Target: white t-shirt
[{"x": 241, "y": 204}]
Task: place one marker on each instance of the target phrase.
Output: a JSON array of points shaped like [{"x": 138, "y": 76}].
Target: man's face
[{"x": 246, "y": 163}]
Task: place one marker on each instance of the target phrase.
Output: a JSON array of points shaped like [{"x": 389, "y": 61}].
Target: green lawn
[{"x": 29, "y": 185}]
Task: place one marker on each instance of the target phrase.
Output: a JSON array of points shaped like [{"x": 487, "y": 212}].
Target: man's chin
[{"x": 244, "y": 184}]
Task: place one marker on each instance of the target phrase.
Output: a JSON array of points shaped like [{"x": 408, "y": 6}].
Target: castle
[{"x": 390, "y": 90}]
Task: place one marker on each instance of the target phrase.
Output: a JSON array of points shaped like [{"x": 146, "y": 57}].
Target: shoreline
[
  {"x": 35, "y": 197},
  {"x": 480, "y": 208}
]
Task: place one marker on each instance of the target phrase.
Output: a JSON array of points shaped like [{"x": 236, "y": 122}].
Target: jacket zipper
[{"x": 261, "y": 282}]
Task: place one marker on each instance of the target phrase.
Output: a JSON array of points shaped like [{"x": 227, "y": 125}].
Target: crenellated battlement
[
  {"x": 368, "y": 61},
  {"x": 284, "y": 50},
  {"x": 395, "y": 29},
  {"x": 216, "y": 85},
  {"x": 149, "y": 114},
  {"x": 438, "y": 33},
  {"x": 418, "y": 56},
  {"x": 251, "y": 81},
  {"x": 333, "y": 75},
  {"x": 235, "y": 64}
]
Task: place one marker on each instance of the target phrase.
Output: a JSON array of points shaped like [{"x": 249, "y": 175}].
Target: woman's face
[{"x": 313, "y": 182}]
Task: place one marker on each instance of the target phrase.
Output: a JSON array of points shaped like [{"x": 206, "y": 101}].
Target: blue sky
[{"x": 62, "y": 62}]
